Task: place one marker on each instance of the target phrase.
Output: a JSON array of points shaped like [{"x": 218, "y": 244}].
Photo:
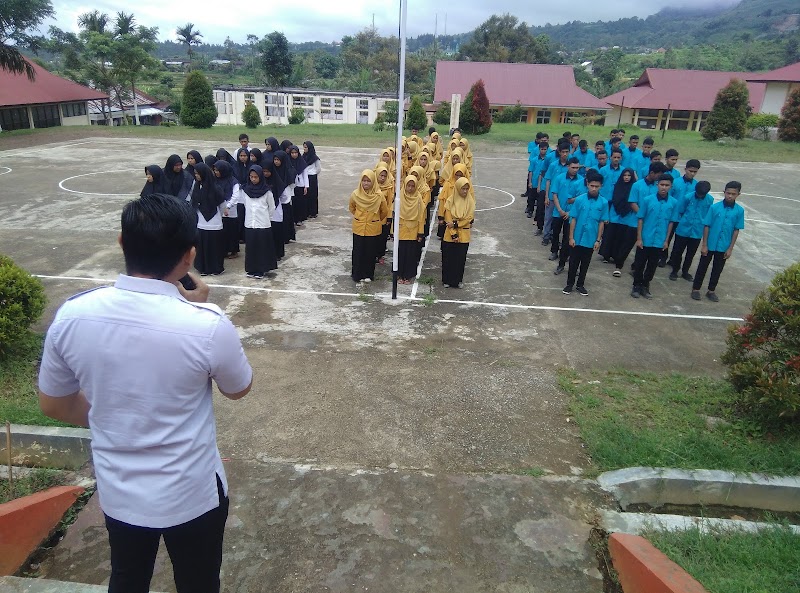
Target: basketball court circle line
[
  {"x": 388, "y": 297},
  {"x": 7, "y": 170},
  {"x": 87, "y": 193},
  {"x": 502, "y": 191},
  {"x": 718, "y": 197}
]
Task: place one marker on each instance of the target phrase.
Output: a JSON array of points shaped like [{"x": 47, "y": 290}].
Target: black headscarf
[
  {"x": 285, "y": 145},
  {"x": 226, "y": 180},
  {"x": 282, "y": 176},
  {"x": 311, "y": 155},
  {"x": 259, "y": 157},
  {"x": 158, "y": 185},
  {"x": 206, "y": 196},
  {"x": 259, "y": 189},
  {"x": 173, "y": 181},
  {"x": 198, "y": 158},
  {"x": 622, "y": 192},
  {"x": 241, "y": 169},
  {"x": 210, "y": 160},
  {"x": 298, "y": 164},
  {"x": 224, "y": 155},
  {"x": 272, "y": 147}
]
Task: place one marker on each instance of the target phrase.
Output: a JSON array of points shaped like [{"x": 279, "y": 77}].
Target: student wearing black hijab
[
  {"x": 155, "y": 181},
  {"x": 241, "y": 170},
  {"x": 282, "y": 178},
  {"x": 299, "y": 201},
  {"x": 312, "y": 171},
  {"x": 619, "y": 237},
  {"x": 272, "y": 147},
  {"x": 256, "y": 156},
  {"x": 224, "y": 155},
  {"x": 177, "y": 181},
  {"x": 210, "y": 160},
  {"x": 192, "y": 158},
  {"x": 206, "y": 199},
  {"x": 259, "y": 257},
  {"x": 230, "y": 188},
  {"x": 286, "y": 145}
]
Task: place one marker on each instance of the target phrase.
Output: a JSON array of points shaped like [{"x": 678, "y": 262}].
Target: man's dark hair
[
  {"x": 431, "y": 130},
  {"x": 693, "y": 163},
  {"x": 665, "y": 177},
  {"x": 157, "y": 231},
  {"x": 658, "y": 167},
  {"x": 671, "y": 153},
  {"x": 654, "y": 154},
  {"x": 539, "y": 135},
  {"x": 616, "y": 151},
  {"x": 244, "y": 137},
  {"x": 615, "y": 131},
  {"x": 566, "y": 135},
  {"x": 599, "y": 143},
  {"x": 545, "y": 135},
  {"x": 573, "y": 161},
  {"x": 592, "y": 175},
  {"x": 734, "y": 185},
  {"x": 562, "y": 145},
  {"x": 648, "y": 141},
  {"x": 575, "y": 136},
  {"x": 603, "y": 151},
  {"x": 615, "y": 140},
  {"x": 703, "y": 187},
  {"x": 634, "y": 137},
  {"x": 583, "y": 144}
]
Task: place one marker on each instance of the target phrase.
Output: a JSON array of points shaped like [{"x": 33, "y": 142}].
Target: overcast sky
[{"x": 329, "y": 20}]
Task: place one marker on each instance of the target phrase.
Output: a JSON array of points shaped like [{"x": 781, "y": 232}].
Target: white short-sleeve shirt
[{"x": 145, "y": 357}]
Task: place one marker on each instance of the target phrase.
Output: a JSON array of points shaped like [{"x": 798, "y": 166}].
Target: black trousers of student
[
  {"x": 680, "y": 245},
  {"x": 454, "y": 260},
  {"x": 539, "y": 214},
  {"x": 579, "y": 260},
  {"x": 240, "y": 213},
  {"x": 195, "y": 549},
  {"x": 665, "y": 252},
  {"x": 312, "y": 197},
  {"x": 408, "y": 259},
  {"x": 288, "y": 223},
  {"x": 718, "y": 258},
  {"x": 259, "y": 255},
  {"x": 364, "y": 251},
  {"x": 560, "y": 245},
  {"x": 210, "y": 258},
  {"x": 382, "y": 246},
  {"x": 300, "y": 205},
  {"x": 618, "y": 240},
  {"x": 279, "y": 239},
  {"x": 532, "y": 195},
  {"x": 230, "y": 226},
  {"x": 645, "y": 265}
]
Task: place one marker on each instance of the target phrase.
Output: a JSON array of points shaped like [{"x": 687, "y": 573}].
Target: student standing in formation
[
  {"x": 690, "y": 214},
  {"x": 536, "y": 206},
  {"x": 655, "y": 223},
  {"x": 177, "y": 182},
  {"x": 564, "y": 190},
  {"x": 259, "y": 255},
  {"x": 412, "y": 225},
  {"x": 229, "y": 187},
  {"x": 648, "y": 186},
  {"x": 314, "y": 167},
  {"x": 386, "y": 185},
  {"x": 554, "y": 169},
  {"x": 588, "y": 217},
  {"x": 206, "y": 200},
  {"x": 620, "y": 235},
  {"x": 670, "y": 160},
  {"x": 459, "y": 216},
  {"x": 299, "y": 201},
  {"x": 631, "y": 155},
  {"x": 644, "y": 156},
  {"x": 585, "y": 157},
  {"x": 283, "y": 179},
  {"x": 611, "y": 173},
  {"x": 368, "y": 207},
  {"x": 721, "y": 229},
  {"x": 681, "y": 187},
  {"x": 154, "y": 181},
  {"x": 241, "y": 171}
]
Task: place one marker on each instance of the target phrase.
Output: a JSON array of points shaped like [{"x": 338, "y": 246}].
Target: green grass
[
  {"x": 19, "y": 399},
  {"x": 731, "y": 561},
  {"x": 643, "y": 419},
  {"x": 38, "y": 480}
]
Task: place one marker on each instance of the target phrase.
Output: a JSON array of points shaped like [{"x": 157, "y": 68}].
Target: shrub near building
[
  {"x": 22, "y": 302},
  {"x": 728, "y": 117},
  {"x": 789, "y": 124},
  {"x": 197, "y": 108}
]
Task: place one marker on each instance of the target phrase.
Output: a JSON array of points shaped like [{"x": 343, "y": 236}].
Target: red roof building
[
  {"x": 47, "y": 101},
  {"x": 547, "y": 92},
  {"x": 779, "y": 83},
  {"x": 675, "y": 99}
]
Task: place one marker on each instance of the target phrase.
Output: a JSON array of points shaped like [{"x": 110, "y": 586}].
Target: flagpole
[{"x": 399, "y": 149}]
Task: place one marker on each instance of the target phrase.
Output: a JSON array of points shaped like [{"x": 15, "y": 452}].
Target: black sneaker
[
  {"x": 712, "y": 296},
  {"x": 635, "y": 292},
  {"x": 537, "y": 233},
  {"x": 568, "y": 289},
  {"x": 687, "y": 276},
  {"x": 662, "y": 263},
  {"x": 673, "y": 276},
  {"x": 646, "y": 293},
  {"x": 529, "y": 214},
  {"x": 582, "y": 290},
  {"x": 696, "y": 295},
  {"x": 553, "y": 257},
  {"x": 545, "y": 241},
  {"x": 558, "y": 270}
]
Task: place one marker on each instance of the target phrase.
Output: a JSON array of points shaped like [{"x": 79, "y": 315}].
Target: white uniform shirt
[
  {"x": 145, "y": 357},
  {"x": 231, "y": 202},
  {"x": 258, "y": 211},
  {"x": 215, "y": 224},
  {"x": 301, "y": 180},
  {"x": 314, "y": 168}
]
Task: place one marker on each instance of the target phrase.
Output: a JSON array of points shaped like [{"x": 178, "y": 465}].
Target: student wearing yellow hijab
[
  {"x": 459, "y": 215},
  {"x": 369, "y": 210},
  {"x": 459, "y": 171},
  {"x": 387, "y": 158},
  {"x": 447, "y": 170},
  {"x": 463, "y": 144},
  {"x": 412, "y": 150},
  {"x": 435, "y": 139},
  {"x": 412, "y": 222},
  {"x": 386, "y": 185}
]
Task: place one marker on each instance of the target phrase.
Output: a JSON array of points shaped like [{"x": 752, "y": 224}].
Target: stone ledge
[
  {"x": 659, "y": 486},
  {"x": 48, "y": 446},
  {"x": 637, "y": 523}
]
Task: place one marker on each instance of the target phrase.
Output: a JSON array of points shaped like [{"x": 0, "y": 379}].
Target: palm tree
[
  {"x": 95, "y": 21},
  {"x": 15, "y": 20},
  {"x": 125, "y": 24},
  {"x": 188, "y": 36}
]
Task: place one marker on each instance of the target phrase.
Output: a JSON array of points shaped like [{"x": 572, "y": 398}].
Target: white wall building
[{"x": 275, "y": 105}]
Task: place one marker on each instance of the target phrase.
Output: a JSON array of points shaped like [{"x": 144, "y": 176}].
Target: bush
[
  {"x": 297, "y": 115},
  {"x": 510, "y": 115},
  {"x": 416, "y": 117},
  {"x": 763, "y": 354},
  {"x": 251, "y": 117},
  {"x": 728, "y": 116},
  {"x": 442, "y": 115},
  {"x": 197, "y": 107},
  {"x": 379, "y": 125},
  {"x": 789, "y": 124},
  {"x": 22, "y": 302},
  {"x": 475, "y": 117},
  {"x": 763, "y": 122}
]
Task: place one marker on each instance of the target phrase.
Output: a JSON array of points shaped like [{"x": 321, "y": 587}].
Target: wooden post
[
  {"x": 666, "y": 124},
  {"x": 10, "y": 469}
]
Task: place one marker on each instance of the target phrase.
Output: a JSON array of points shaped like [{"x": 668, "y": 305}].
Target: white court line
[
  {"x": 86, "y": 193},
  {"x": 388, "y": 297},
  {"x": 424, "y": 251},
  {"x": 719, "y": 196},
  {"x": 513, "y": 199},
  {"x": 7, "y": 170}
]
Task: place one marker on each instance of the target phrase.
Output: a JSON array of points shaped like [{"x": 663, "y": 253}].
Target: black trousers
[
  {"x": 618, "y": 240},
  {"x": 539, "y": 215},
  {"x": 560, "y": 227},
  {"x": 533, "y": 197},
  {"x": 454, "y": 261},
  {"x": 680, "y": 245},
  {"x": 195, "y": 549},
  {"x": 313, "y": 196},
  {"x": 718, "y": 258},
  {"x": 579, "y": 260},
  {"x": 645, "y": 265},
  {"x": 365, "y": 251}
]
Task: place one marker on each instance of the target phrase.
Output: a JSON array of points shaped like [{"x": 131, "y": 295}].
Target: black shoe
[
  {"x": 646, "y": 293},
  {"x": 523, "y": 195},
  {"x": 529, "y": 214},
  {"x": 687, "y": 276},
  {"x": 568, "y": 289},
  {"x": 662, "y": 263},
  {"x": 537, "y": 233},
  {"x": 673, "y": 276},
  {"x": 635, "y": 292},
  {"x": 558, "y": 270},
  {"x": 712, "y": 296},
  {"x": 696, "y": 295},
  {"x": 545, "y": 241},
  {"x": 582, "y": 290},
  {"x": 553, "y": 256}
]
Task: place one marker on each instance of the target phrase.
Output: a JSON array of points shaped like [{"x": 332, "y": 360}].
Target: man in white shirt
[{"x": 134, "y": 362}]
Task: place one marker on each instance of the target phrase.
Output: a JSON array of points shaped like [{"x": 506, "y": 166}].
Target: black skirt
[
  {"x": 408, "y": 259},
  {"x": 279, "y": 238},
  {"x": 210, "y": 257},
  {"x": 364, "y": 251},
  {"x": 230, "y": 226},
  {"x": 259, "y": 255},
  {"x": 312, "y": 198},
  {"x": 299, "y": 205},
  {"x": 240, "y": 212},
  {"x": 454, "y": 259},
  {"x": 288, "y": 224}
]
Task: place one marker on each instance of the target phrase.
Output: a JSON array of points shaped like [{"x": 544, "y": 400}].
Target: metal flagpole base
[{"x": 395, "y": 277}]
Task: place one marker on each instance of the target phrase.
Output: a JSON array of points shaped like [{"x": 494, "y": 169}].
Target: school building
[
  {"x": 547, "y": 93},
  {"x": 47, "y": 101},
  {"x": 319, "y": 106},
  {"x": 681, "y": 99}
]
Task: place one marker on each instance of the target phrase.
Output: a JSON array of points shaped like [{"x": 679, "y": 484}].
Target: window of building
[
  {"x": 543, "y": 116},
  {"x": 249, "y": 98},
  {"x": 363, "y": 104},
  {"x": 73, "y": 109},
  {"x": 219, "y": 96},
  {"x": 523, "y": 118},
  {"x": 302, "y": 101},
  {"x": 571, "y": 116},
  {"x": 45, "y": 116},
  {"x": 275, "y": 111},
  {"x": 681, "y": 114},
  {"x": 222, "y": 109},
  {"x": 648, "y": 112},
  {"x": 14, "y": 118}
]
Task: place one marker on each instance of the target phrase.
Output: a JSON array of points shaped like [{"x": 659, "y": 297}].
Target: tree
[
  {"x": 510, "y": 115},
  {"x": 729, "y": 115},
  {"x": 475, "y": 117},
  {"x": 505, "y": 39},
  {"x": 416, "y": 118},
  {"x": 197, "y": 107},
  {"x": 131, "y": 54},
  {"x": 188, "y": 36},
  {"x": 251, "y": 117},
  {"x": 17, "y": 17},
  {"x": 276, "y": 62},
  {"x": 789, "y": 124},
  {"x": 326, "y": 65},
  {"x": 442, "y": 115},
  {"x": 763, "y": 122},
  {"x": 391, "y": 111},
  {"x": 607, "y": 66},
  {"x": 297, "y": 115}
]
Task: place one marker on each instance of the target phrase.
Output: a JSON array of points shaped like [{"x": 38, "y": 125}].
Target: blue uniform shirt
[
  {"x": 586, "y": 159},
  {"x": 533, "y": 148},
  {"x": 690, "y": 214},
  {"x": 682, "y": 188},
  {"x": 656, "y": 214},
  {"x": 554, "y": 170},
  {"x": 588, "y": 212},
  {"x": 610, "y": 178},
  {"x": 630, "y": 158},
  {"x": 722, "y": 221},
  {"x": 639, "y": 192},
  {"x": 566, "y": 188}
]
